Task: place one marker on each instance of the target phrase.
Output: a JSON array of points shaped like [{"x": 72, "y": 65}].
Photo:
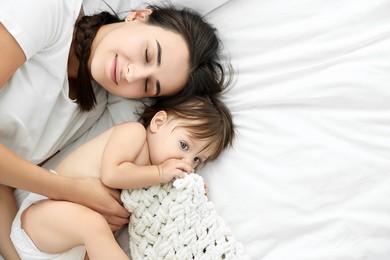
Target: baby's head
[{"x": 198, "y": 129}]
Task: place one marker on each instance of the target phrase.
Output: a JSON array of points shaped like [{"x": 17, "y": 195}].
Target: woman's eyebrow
[{"x": 158, "y": 53}]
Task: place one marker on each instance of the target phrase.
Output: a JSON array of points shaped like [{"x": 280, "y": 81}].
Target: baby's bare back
[{"x": 86, "y": 159}]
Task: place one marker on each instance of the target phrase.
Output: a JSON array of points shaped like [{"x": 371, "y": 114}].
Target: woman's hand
[
  {"x": 90, "y": 192},
  {"x": 95, "y": 195}
]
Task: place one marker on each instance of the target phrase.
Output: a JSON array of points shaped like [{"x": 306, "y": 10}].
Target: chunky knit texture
[{"x": 176, "y": 221}]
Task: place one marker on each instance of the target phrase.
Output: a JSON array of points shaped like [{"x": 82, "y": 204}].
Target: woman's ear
[
  {"x": 158, "y": 120},
  {"x": 142, "y": 15}
]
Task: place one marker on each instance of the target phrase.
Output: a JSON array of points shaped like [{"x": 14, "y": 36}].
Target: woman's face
[{"x": 136, "y": 60}]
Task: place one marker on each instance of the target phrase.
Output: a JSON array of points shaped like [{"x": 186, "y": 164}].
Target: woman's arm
[
  {"x": 19, "y": 173},
  {"x": 12, "y": 55}
]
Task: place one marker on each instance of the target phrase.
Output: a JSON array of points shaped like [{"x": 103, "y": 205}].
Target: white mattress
[{"x": 309, "y": 174}]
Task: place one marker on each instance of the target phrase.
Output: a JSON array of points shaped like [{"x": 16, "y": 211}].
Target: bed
[{"x": 309, "y": 174}]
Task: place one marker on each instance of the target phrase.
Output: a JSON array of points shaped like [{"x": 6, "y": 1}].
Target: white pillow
[{"x": 202, "y": 6}]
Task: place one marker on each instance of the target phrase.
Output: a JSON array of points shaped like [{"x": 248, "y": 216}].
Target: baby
[{"x": 170, "y": 140}]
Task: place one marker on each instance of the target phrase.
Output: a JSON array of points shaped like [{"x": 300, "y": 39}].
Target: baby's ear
[{"x": 158, "y": 120}]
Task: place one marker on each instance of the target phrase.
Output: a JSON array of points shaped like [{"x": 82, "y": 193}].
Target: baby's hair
[{"x": 205, "y": 117}]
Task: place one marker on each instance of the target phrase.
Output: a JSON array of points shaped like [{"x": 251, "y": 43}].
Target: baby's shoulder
[
  {"x": 132, "y": 125},
  {"x": 130, "y": 128}
]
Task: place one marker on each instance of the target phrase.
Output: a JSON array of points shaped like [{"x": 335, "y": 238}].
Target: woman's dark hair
[
  {"x": 86, "y": 29},
  {"x": 206, "y": 75}
]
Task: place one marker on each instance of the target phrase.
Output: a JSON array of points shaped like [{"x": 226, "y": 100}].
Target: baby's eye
[{"x": 184, "y": 145}]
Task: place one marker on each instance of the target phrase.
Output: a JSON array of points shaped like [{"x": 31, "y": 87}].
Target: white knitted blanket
[{"x": 176, "y": 221}]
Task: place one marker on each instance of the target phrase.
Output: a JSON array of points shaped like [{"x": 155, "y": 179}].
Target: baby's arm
[
  {"x": 126, "y": 164},
  {"x": 125, "y": 147}
]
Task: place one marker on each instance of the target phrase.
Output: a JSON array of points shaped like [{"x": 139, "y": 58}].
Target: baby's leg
[
  {"x": 8, "y": 209},
  {"x": 57, "y": 226}
]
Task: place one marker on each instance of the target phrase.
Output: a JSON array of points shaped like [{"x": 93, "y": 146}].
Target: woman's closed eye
[
  {"x": 147, "y": 61},
  {"x": 146, "y": 55}
]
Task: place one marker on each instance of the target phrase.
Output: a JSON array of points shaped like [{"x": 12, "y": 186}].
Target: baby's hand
[{"x": 173, "y": 168}]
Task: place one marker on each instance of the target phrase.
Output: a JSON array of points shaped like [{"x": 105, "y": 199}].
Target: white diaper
[{"x": 26, "y": 248}]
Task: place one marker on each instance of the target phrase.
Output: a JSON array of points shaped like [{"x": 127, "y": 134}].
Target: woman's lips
[{"x": 113, "y": 72}]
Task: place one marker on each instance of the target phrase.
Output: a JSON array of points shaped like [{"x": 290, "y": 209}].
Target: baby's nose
[{"x": 189, "y": 162}]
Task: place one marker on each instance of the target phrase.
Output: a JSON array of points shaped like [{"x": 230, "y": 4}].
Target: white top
[{"x": 37, "y": 118}]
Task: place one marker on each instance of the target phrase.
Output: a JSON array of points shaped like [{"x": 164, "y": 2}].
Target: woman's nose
[
  {"x": 135, "y": 72},
  {"x": 129, "y": 72}
]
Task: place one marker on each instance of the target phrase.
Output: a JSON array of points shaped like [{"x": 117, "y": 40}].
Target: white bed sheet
[
  {"x": 309, "y": 177},
  {"x": 309, "y": 174}
]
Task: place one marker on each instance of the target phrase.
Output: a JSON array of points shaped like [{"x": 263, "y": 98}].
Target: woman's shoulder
[
  {"x": 22, "y": 13},
  {"x": 37, "y": 24}
]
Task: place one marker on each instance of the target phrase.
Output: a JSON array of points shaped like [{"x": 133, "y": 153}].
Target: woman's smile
[{"x": 114, "y": 70}]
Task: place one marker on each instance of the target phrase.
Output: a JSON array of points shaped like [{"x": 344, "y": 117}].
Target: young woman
[
  {"x": 54, "y": 78},
  {"x": 176, "y": 140}
]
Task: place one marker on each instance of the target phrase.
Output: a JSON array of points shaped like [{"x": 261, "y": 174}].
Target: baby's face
[{"x": 174, "y": 141}]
